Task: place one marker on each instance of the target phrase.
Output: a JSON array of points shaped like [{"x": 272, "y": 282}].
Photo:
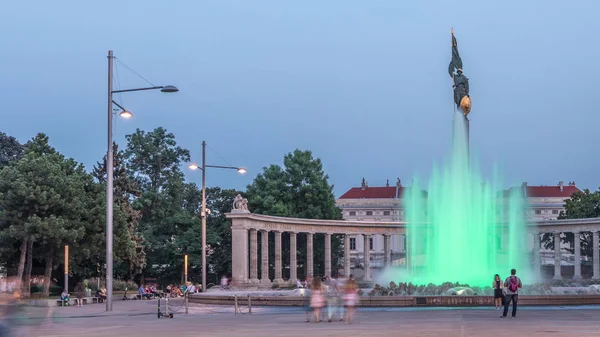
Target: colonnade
[
  {"x": 245, "y": 228},
  {"x": 576, "y": 252},
  {"x": 253, "y": 276}
]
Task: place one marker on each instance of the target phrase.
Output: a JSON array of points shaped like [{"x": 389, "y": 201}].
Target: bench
[{"x": 75, "y": 301}]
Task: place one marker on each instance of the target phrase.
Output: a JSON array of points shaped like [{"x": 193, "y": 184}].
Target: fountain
[{"x": 461, "y": 229}]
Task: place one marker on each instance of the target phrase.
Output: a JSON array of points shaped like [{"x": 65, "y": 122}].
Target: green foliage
[
  {"x": 44, "y": 200},
  {"x": 48, "y": 201},
  {"x": 10, "y": 149},
  {"x": 300, "y": 189}
]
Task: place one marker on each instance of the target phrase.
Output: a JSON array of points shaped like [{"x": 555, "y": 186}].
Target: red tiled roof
[
  {"x": 384, "y": 192},
  {"x": 551, "y": 191},
  {"x": 547, "y": 191},
  {"x": 372, "y": 193}
]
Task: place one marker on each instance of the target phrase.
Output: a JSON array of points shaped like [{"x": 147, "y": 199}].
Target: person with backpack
[{"x": 512, "y": 285}]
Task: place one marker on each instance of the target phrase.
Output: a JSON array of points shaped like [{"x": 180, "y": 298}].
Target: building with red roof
[{"x": 385, "y": 203}]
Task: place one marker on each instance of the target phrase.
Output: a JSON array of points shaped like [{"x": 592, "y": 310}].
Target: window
[
  {"x": 386, "y": 212},
  {"x": 369, "y": 212},
  {"x": 352, "y": 213},
  {"x": 538, "y": 211},
  {"x": 370, "y": 243},
  {"x": 554, "y": 211},
  {"x": 352, "y": 243}
]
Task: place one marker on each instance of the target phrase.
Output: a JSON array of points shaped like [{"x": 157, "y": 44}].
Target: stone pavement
[{"x": 138, "y": 318}]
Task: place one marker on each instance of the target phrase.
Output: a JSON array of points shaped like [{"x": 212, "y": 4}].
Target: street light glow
[
  {"x": 193, "y": 167},
  {"x": 242, "y": 170},
  {"x": 126, "y": 114}
]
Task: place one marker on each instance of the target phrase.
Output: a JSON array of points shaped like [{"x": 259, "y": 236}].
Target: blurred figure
[
  {"x": 79, "y": 293},
  {"x": 224, "y": 283},
  {"x": 350, "y": 299},
  {"x": 317, "y": 299},
  {"x": 333, "y": 299}
]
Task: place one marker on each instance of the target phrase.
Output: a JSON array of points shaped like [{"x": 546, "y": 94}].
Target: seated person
[
  {"x": 142, "y": 292},
  {"x": 65, "y": 297},
  {"x": 101, "y": 293}
]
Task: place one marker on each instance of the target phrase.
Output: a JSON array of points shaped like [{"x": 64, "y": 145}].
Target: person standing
[
  {"x": 498, "y": 292},
  {"x": 512, "y": 285}
]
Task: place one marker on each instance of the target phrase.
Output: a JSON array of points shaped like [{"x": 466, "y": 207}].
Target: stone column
[
  {"x": 264, "y": 257},
  {"x": 253, "y": 256},
  {"x": 346, "y": 255},
  {"x": 577, "y": 249},
  {"x": 293, "y": 261},
  {"x": 328, "y": 254},
  {"x": 596, "y": 256},
  {"x": 278, "y": 268},
  {"x": 557, "y": 275},
  {"x": 309, "y": 255},
  {"x": 239, "y": 256},
  {"x": 536, "y": 254},
  {"x": 367, "y": 256},
  {"x": 387, "y": 250}
]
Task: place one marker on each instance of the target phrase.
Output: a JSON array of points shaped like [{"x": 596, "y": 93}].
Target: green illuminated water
[{"x": 462, "y": 230}]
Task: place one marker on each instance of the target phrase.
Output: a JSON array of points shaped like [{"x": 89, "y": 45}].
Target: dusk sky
[{"x": 363, "y": 84}]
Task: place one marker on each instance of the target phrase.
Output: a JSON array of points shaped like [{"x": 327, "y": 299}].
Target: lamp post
[
  {"x": 203, "y": 211},
  {"x": 109, "y": 171}
]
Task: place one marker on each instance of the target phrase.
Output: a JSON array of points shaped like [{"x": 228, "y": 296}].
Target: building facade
[{"x": 385, "y": 204}]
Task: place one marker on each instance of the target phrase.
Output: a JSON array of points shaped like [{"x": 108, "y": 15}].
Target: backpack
[{"x": 513, "y": 284}]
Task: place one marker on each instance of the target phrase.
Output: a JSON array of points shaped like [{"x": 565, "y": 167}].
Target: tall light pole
[
  {"x": 203, "y": 211},
  {"x": 109, "y": 171}
]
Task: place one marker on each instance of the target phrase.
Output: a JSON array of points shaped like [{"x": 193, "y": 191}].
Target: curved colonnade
[{"x": 246, "y": 226}]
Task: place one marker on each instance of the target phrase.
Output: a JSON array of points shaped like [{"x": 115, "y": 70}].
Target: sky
[{"x": 362, "y": 84}]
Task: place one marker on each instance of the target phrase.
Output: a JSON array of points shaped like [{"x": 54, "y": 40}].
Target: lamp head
[
  {"x": 169, "y": 88},
  {"x": 193, "y": 166},
  {"x": 126, "y": 114},
  {"x": 241, "y": 170}
]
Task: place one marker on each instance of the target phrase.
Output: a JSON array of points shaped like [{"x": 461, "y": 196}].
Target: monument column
[
  {"x": 328, "y": 254},
  {"x": 557, "y": 275},
  {"x": 253, "y": 256},
  {"x": 346, "y": 255},
  {"x": 577, "y": 248},
  {"x": 264, "y": 256},
  {"x": 278, "y": 278},
  {"x": 309, "y": 255},
  {"x": 293, "y": 255},
  {"x": 596, "y": 256},
  {"x": 536, "y": 254},
  {"x": 239, "y": 255},
  {"x": 387, "y": 250},
  {"x": 367, "y": 256}
]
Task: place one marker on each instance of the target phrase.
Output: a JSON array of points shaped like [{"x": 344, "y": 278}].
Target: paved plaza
[{"x": 138, "y": 318}]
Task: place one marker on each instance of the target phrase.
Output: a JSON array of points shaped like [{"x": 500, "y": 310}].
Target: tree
[
  {"x": 300, "y": 189},
  {"x": 42, "y": 196},
  {"x": 10, "y": 149},
  {"x": 154, "y": 158},
  {"x": 581, "y": 205},
  {"x": 129, "y": 243}
]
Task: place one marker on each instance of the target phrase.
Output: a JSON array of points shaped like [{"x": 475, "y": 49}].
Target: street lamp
[
  {"x": 109, "y": 171},
  {"x": 193, "y": 166}
]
